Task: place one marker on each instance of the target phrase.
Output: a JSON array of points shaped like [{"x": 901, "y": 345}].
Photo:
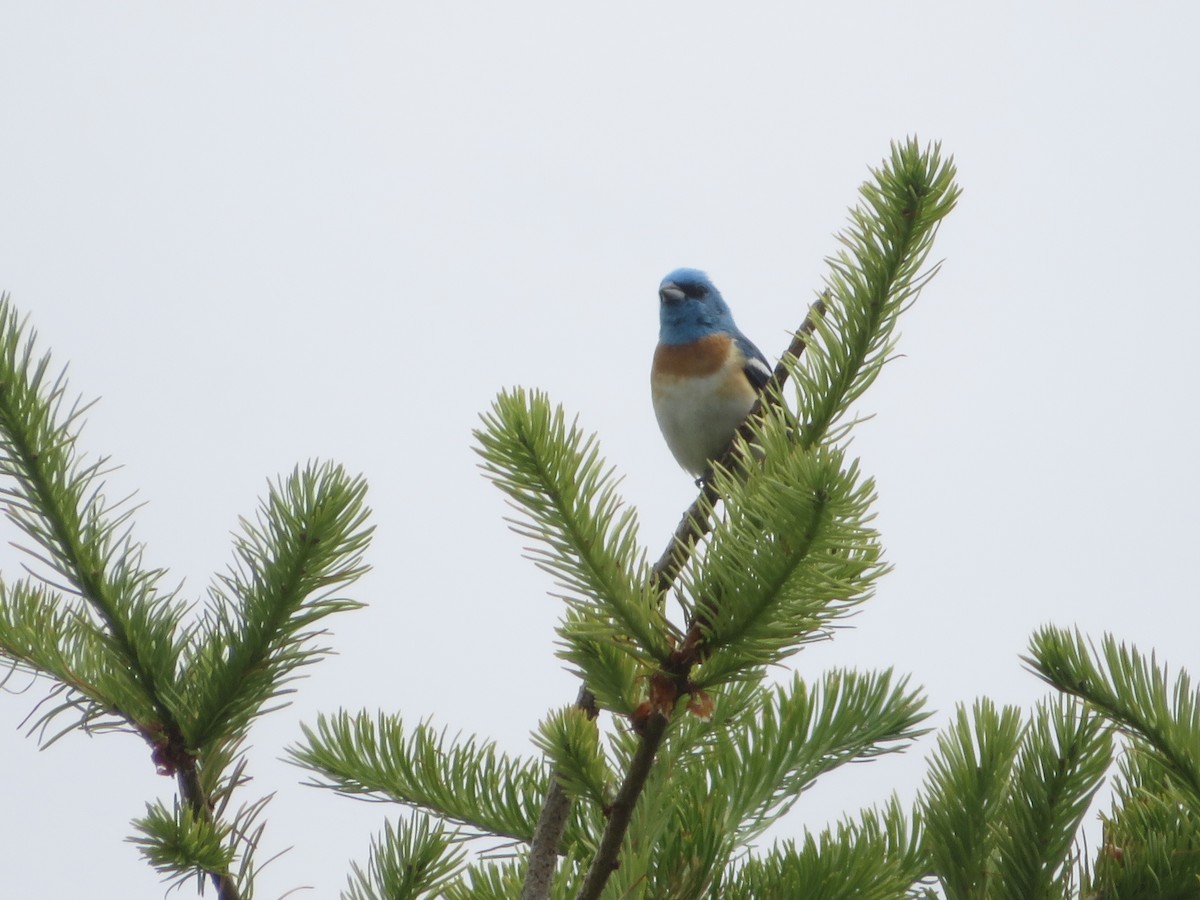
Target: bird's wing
[{"x": 758, "y": 370}]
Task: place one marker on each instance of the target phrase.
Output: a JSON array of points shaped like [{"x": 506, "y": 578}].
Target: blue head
[{"x": 691, "y": 307}]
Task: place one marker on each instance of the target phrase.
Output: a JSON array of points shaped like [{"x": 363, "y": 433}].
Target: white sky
[{"x": 275, "y": 231}]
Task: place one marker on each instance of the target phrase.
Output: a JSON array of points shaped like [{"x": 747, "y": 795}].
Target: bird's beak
[{"x": 669, "y": 293}]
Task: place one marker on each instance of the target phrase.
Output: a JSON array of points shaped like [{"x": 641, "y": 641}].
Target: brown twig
[
  {"x": 171, "y": 757},
  {"x": 621, "y": 811},
  {"x": 551, "y": 823},
  {"x": 189, "y": 788}
]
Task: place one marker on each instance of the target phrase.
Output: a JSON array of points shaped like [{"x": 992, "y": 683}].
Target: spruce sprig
[
  {"x": 876, "y": 275},
  {"x": 123, "y": 654},
  {"x": 461, "y": 779},
  {"x": 292, "y": 563},
  {"x": 120, "y": 653},
  {"x": 1132, "y": 690}
]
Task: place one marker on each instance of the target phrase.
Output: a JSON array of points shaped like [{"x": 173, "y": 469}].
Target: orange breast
[{"x": 703, "y": 357}]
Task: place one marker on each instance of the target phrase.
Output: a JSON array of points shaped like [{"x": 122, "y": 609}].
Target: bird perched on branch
[{"x": 706, "y": 374}]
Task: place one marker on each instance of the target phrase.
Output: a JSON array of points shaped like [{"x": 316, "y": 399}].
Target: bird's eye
[{"x": 696, "y": 291}]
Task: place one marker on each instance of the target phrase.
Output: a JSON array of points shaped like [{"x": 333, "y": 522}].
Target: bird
[{"x": 706, "y": 374}]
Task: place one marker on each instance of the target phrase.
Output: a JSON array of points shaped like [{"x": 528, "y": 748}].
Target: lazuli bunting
[{"x": 706, "y": 374}]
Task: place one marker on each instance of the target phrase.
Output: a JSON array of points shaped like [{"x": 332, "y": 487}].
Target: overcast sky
[{"x": 268, "y": 232}]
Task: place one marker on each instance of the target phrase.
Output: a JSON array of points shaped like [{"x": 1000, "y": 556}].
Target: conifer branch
[
  {"x": 58, "y": 501},
  {"x": 552, "y": 822},
  {"x": 793, "y": 552},
  {"x": 116, "y": 646},
  {"x": 1064, "y": 755},
  {"x": 306, "y": 545},
  {"x": 586, "y": 535},
  {"x": 178, "y": 840},
  {"x": 464, "y": 781},
  {"x": 409, "y": 861},
  {"x": 888, "y": 241},
  {"x": 806, "y": 731},
  {"x": 547, "y": 836},
  {"x": 621, "y": 811},
  {"x": 1133, "y": 691},
  {"x": 1150, "y": 834},
  {"x": 965, "y": 791},
  {"x": 877, "y": 857},
  {"x": 868, "y": 288}
]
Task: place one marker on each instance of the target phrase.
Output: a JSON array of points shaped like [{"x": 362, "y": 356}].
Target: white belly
[{"x": 698, "y": 416}]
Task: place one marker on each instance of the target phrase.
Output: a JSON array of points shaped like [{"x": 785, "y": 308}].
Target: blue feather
[
  {"x": 706, "y": 373},
  {"x": 691, "y": 307}
]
